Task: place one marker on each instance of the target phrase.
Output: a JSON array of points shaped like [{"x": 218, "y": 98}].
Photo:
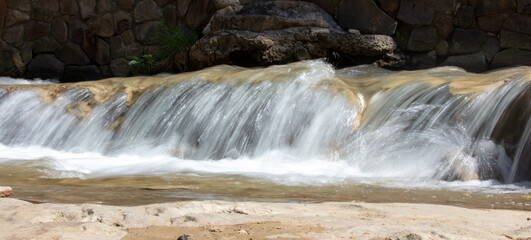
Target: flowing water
[{"x": 297, "y": 132}]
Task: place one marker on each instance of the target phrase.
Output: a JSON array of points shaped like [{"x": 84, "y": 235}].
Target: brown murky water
[{"x": 139, "y": 190}]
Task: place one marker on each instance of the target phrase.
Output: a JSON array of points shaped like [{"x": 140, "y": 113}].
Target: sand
[{"x": 259, "y": 220}]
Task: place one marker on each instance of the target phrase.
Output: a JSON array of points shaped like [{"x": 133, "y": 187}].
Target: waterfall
[{"x": 304, "y": 119}]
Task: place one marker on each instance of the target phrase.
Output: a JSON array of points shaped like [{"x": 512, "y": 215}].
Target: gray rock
[
  {"x": 46, "y": 44},
  {"x": 35, "y": 30},
  {"x": 365, "y": 16},
  {"x": 248, "y": 48},
  {"x": 81, "y": 73},
  {"x": 182, "y": 7},
  {"x": 103, "y": 54},
  {"x": 422, "y": 39},
  {"x": 470, "y": 62},
  {"x": 102, "y": 25},
  {"x": 465, "y": 17},
  {"x": 492, "y": 23},
  {"x": 14, "y": 16},
  {"x": 88, "y": 8},
  {"x": 12, "y": 63},
  {"x": 133, "y": 50},
  {"x": 144, "y": 32},
  {"x": 44, "y": 10},
  {"x": 128, "y": 38},
  {"x": 69, "y": 7},
  {"x": 442, "y": 48},
  {"x": 147, "y": 10},
  {"x": 21, "y": 5},
  {"x": 490, "y": 48},
  {"x": 421, "y": 12},
  {"x": 26, "y": 52},
  {"x": 120, "y": 68},
  {"x": 444, "y": 24},
  {"x": 105, "y": 6},
  {"x": 72, "y": 54},
  {"x": 3, "y": 12},
  {"x": 122, "y": 21},
  {"x": 125, "y": 4},
  {"x": 117, "y": 47},
  {"x": 422, "y": 60},
  {"x": 197, "y": 13},
  {"x": 515, "y": 40},
  {"x": 524, "y": 6},
  {"x": 520, "y": 23},
  {"x": 494, "y": 7},
  {"x": 59, "y": 30},
  {"x": 511, "y": 57},
  {"x": 390, "y": 7},
  {"x": 220, "y": 4},
  {"x": 45, "y": 66},
  {"x": 466, "y": 41},
  {"x": 76, "y": 29},
  {"x": 170, "y": 14},
  {"x": 15, "y": 34}
]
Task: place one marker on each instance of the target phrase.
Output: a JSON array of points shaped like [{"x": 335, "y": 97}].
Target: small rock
[
  {"x": 354, "y": 31},
  {"x": 422, "y": 39},
  {"x": 120, "y": 68},
  {"x": 515, "y": 40},
  {"x": 492, "y": 23},
  {"x": 493, "y": 7},
  {"x": 524, "y": 6},
  {"x": 6, "y": 192},
  {"x": 13, "y": 17},
  {"x": 69, "y": 7},
  {"x": 147, "y": 10},
  {"x": 45, "y": 66},
  {"x": 520, "y": 23},
  {"x": 71, "y": 53},
  {"x": 466, "y": 41},
  {"x": 465, "y": 17},
  {"x": 183, "y": 237},
  {"x": 470, "y": 62},
  {"x": 365, "y": 16},
  {"x": 88, "y": 8},
  {"x": 511, "y": 57},
  {"x": 22, "y": 5},
  {"x": 220, "y": 4},
  {"x": 242, "y": 231}
]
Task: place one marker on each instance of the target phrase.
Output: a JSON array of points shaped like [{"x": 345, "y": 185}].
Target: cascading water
[{"x": 299, "y": 123}]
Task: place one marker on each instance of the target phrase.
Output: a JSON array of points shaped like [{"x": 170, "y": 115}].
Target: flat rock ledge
[
  {"x": 280, "y": 32},
  {"x": 258, "y": 220},
  {"x": 6, "y": 192}
]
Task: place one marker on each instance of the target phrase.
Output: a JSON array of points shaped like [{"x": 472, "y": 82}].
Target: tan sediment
[{"x": 258, "y": 220}]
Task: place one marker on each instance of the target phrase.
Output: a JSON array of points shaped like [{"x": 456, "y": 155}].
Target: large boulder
[
  {"x": 248, "y": 48},
  {"x": 261, "y": 16},
  {"x": 279, "y": 32}
]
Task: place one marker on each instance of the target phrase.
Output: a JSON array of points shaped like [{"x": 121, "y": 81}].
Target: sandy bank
[{"x": 259, "y": 220}]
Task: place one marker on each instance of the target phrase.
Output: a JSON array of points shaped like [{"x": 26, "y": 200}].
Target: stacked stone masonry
[
  {"x": 90, "y": 39},
  {"x": 86, "y": 39}
]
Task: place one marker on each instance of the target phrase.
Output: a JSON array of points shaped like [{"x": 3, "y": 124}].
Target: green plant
[
  {"x": 168, "y": 41},
  {"x": 144, "y": 65},
  {"x": 171, "y": 39}
]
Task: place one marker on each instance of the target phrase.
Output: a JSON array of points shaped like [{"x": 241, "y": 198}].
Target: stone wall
[
  {"x": 89, "y": 39},
  {"x": 477, "y": 35},
  {"x": 86, "y": 39}
]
